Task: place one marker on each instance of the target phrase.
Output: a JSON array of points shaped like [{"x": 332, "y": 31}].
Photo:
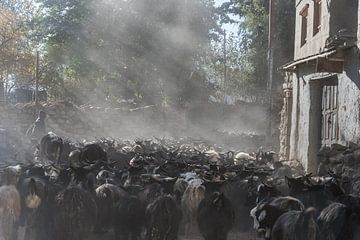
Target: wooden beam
[{"x": 325, "y": 65}]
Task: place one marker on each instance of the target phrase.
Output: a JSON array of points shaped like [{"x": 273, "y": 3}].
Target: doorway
[{"x": 323, "y": 118}]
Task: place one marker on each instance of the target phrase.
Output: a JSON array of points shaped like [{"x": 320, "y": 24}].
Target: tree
[
  {"x": 16, "y": 58},
  {"x": 253, "y": 35},
  {"x": 150, "y": 51},
  {"x": 240, "y": 81}
]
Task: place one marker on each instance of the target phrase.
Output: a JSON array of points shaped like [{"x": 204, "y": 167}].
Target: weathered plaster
[
  {"x": 304, "y": 137},
  {"x": 306, "y": 85},
  {"x": 314, "y": 43}
]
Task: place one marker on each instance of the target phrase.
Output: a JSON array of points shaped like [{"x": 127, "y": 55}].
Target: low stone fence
[
  {"x": 77, "y": 122},
  {"x": 231, "y": 125}
]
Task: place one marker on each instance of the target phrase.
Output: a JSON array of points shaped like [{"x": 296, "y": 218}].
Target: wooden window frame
[
  {"x": 317, "y": 16},
  {"x": 304, "y": 13}
]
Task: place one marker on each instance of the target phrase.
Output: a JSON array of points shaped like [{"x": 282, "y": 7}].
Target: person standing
[{"x": 38, "y": 129}]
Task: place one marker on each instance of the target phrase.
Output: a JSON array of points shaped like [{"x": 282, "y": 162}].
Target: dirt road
[{"x": 232, "y": 236}]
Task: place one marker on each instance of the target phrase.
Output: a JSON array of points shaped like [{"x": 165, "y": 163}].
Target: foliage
[
  {"x": 253, "y": 40},
  {"x": 149, "y": 51},
  {"x": 16, "y": 56},
  {"x": 154, "y": 52}
]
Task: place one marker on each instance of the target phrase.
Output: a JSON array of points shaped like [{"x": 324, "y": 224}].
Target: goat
[
  {"x": 193, "y": 195},
  {"x": 215, "y": 217},
  {"x": 162, "y": 219},
  {"x": 10, "y": 204}
]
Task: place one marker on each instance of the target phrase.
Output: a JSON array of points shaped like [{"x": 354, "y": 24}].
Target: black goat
[
  {"x": 295, "y": 225},
  {"x": 338, "y": 222},
  {"x": 216, "y": 217},
  {"x": 162, "y": 219},
  {"x": 129, "y": 217}
]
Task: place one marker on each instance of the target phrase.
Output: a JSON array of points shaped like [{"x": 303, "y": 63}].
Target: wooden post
[
  {"x": 2, "y": 87},
  {"x": 37, "y": 78},
  {"x": 2, "y": 92},
  {"x": 225, "y": 64},
  {"x": 270, "y": 59}
]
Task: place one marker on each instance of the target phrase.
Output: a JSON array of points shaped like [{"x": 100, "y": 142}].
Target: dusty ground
[{"x": 232, "y": 236}]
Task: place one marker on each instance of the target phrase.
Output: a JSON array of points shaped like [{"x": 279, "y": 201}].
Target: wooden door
[{"x": 330, "y": 124}]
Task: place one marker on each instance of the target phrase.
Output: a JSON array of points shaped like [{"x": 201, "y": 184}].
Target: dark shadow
[
  {"x": 314, "y": 125},
  {"x": 352, "y": 65},
  {"x": 343, "y": 15}
]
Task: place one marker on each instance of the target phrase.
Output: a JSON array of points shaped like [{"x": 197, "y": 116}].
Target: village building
[{"x": 322, "y": 86}]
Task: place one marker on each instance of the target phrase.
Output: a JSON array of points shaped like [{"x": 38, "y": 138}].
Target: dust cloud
[{"x": 153, "y": 53}]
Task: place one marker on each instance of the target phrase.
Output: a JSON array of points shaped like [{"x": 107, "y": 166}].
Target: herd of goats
[{"x": 161, "y": 189}]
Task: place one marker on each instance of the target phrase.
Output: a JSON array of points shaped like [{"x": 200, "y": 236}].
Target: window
[
  {"x": 304, "y": 18},
  {"x": 317, "y": 16}
]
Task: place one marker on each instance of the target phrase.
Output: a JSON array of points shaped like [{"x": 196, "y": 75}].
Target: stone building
[{"x": 322, "y": 85}]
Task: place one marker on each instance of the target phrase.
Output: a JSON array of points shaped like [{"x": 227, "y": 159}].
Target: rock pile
[{"x": 343, "y": 161}]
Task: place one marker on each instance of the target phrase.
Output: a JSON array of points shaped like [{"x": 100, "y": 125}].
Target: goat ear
[
  {"x": 262, "y": 215},
  {"x": 219, "y": 201},
  {"x": 260, "y": 186},
  {"x": 262, "y": 206},
  {"x": 310, "y": 212},
  {"x": 32, "y": 186},
  {"x": 268, "y": 185},
  {"x": 287, "y": 180}
]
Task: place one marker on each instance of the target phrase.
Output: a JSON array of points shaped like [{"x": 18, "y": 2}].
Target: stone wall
[
  {"x": 344, "y": 161},
  {"x": 333, "y": 19},
  {"x": 285, "y": 123},
  {"x": 76, "y": 122},
  {"x": 306, "y": 113},
  {"x": 88, "y": 122},
  {"x": 316, "y": 42}
]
